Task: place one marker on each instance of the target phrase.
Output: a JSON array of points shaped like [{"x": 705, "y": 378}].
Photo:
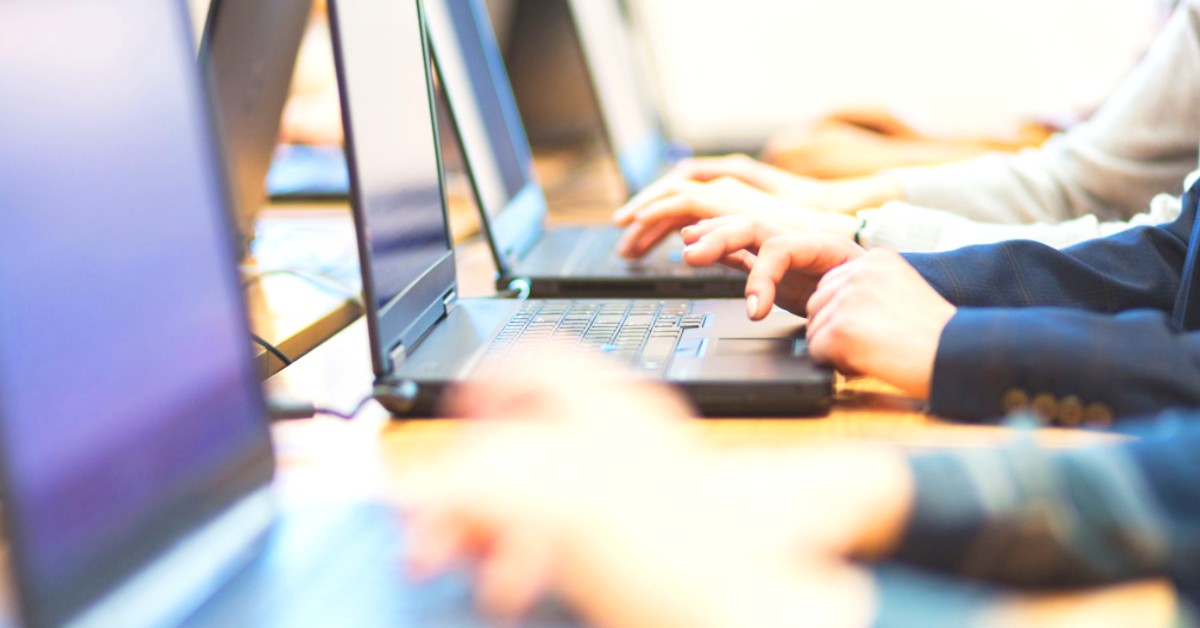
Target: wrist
[
  {"x": 887, "y": 492},
  {"x": 844, "y": 224},
  {"x": 851, "y": 501},
  {"x": 852, "y": 195}
]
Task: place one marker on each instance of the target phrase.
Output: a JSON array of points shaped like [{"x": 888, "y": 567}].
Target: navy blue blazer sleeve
[
  {"x": 1135, "y": 269},
  {"x": 1026, "y": 516},
  {"x": 1089, "y": 325}
]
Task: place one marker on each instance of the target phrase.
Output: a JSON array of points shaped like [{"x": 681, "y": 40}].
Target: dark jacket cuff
[
  {"x": 1069, "y": 367},
  {"x": 947, "y": 515}
]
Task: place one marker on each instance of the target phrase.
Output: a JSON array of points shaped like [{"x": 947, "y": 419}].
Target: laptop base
[
  {"x": 730, "y": 367},
  {"x": 719, "y": 400},
  {"x": 342, "y": 565},
  {"x": 581, "y": 262}
]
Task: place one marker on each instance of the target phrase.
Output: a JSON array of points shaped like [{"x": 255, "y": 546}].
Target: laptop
[
  {"x": 629, "y": 114},
  {"x": 134, "y": 451},
  {"x": 531, "y": 257},
  {"x": 249, "y": 51},
  {"x": 594, "y": 84},
  {"x": 425, "y": 339}
]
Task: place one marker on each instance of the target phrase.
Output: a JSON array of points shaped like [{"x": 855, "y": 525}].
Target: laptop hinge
[
  {"x": 449, "y": 298},
  {"x": 397, "y": 355}
]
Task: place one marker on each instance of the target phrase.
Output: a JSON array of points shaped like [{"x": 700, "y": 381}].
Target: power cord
[
  {"x": 397, "y": 397},
  {"x": 282, "y": 409},
  {"x": 272, "y": 349}
]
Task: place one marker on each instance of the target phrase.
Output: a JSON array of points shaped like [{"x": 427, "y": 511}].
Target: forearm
[
  {"x": 912, "y": 229},
  {"x": 1032, "y": 517},
  {"x": 867, "y": 492},
  {"x": 1138, "y": 268},
  {"x": 852, "y": 195},
  {"x": 909, "y": 596},
  {"x": 821, "y": 593},
  {"x": 761, "y": 557},
  {"x": 998, "y": 188}
]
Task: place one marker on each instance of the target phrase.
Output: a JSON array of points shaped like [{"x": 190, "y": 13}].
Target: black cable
[
  {"x": 396, "y": 396},
  {"x": 272, "y": 349},
  {"x": 285, "y": 409},
  {"x": 345, "y": 415},
  {"x": 511, "y": 293}
]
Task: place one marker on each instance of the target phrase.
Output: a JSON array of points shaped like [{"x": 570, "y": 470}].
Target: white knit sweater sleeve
[
  {"x": 911, "y": 229},
  {"x": 1141, "y": 143}
]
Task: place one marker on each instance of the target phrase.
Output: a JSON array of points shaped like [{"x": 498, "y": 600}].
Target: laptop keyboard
[
  {"x": 599, "y": 255},
  {"x": 639, "y": 334}
]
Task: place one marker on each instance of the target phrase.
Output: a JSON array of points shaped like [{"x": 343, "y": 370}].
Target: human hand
[
  {"x": 843, "y": 196},
  {"x": 685, "y": 202},
  {"x": 868, "y": 313},
  {"x": 783, "y": 267},
  {"x": 602, "y": 494},
  {"x": 877, "y": 316},
  {"x": 743, "y": 168}
]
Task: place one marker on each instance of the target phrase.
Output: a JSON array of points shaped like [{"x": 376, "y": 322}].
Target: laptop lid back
[
  {"x": 393, "y": 158},
  {"x": 249, "y": 51},
  {"x": 489, "y": 126},
  {"x": 630, "y": 120},
  {"x": 130, "y": 410}
]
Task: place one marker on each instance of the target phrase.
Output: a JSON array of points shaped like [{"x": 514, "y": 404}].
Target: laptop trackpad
[{"x": 782, "y": 347}]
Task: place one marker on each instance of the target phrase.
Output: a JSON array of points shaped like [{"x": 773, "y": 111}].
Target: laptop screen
[
  {"x": 391, "y": 145},
  {"x": 629, "y": 116},
  {"x": 130, "y": 411},
  {"x": 489, "y": 126},
  {"x": 485, "y": 116},
  {"x": 249, "y": 49}
]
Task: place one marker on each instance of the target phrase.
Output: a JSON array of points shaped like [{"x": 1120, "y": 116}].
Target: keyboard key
[{"x": 643, "y": 335}]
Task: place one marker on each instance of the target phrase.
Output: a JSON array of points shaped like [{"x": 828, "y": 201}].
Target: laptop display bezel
[
  {"x": 195, "y": 506},
  {"x": 251, "y": 88},
  {"x": 402, "y": 322},
  {"x": 642, "y": 160},
  {"x": 514, "y": 228}
]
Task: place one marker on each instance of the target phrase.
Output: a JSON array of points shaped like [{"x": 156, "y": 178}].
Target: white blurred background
[{"x": 731, "y": 72}]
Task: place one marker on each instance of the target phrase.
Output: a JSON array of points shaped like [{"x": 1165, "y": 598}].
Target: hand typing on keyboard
[
  {"x": 595, "y": 488},
  {"x": 869, "y": 313}
]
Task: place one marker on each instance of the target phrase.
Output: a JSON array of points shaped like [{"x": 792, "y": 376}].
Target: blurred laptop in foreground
[{"x": 134, "y": 450}]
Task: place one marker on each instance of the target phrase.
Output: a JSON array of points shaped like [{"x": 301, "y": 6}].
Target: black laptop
[
  {"x": 532, "y": 257},
  {"x": 134, "y": 451},
  {"x": 424, "y": 338}
]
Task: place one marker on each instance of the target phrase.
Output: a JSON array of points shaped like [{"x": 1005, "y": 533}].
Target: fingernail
[{"x": 752, "y": 305}]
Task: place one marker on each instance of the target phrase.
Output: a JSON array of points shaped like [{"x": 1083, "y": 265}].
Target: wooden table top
[{"x": 332, "y": 459}]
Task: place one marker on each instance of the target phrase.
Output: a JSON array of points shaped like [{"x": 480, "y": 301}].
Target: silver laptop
[
  {"x": 249, "y": 52},
  {"x": 134, "y": 451},
  {"x": 532, "y": 257},
  {"x": 424, "y": 338}
]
